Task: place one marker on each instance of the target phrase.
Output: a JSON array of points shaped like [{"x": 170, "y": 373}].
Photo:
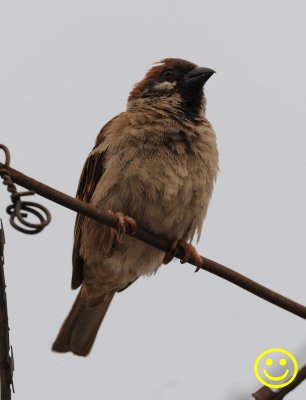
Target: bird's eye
[{"x": 168, "y": 73}]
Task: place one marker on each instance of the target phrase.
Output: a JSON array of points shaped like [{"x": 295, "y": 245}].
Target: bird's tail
[{"x": 81, "y": 326}]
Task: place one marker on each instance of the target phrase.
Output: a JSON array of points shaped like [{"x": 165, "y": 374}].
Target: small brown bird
[{"x": 156, "y": 164}]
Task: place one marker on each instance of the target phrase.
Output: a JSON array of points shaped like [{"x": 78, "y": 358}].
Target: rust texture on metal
[
  {"x": 19, "y": 210},
  {"x": 6, "y": 355},
  {"x": 16, "y": 210},
  {"x": 159, "y": 242},
  {"x": 264, "y": 393}
]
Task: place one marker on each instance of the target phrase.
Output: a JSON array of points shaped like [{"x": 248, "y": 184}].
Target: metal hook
[{"x": 19, "y": 209}]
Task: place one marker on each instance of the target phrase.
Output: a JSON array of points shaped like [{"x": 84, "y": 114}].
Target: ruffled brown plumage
[{"x": 157, "y": 163}]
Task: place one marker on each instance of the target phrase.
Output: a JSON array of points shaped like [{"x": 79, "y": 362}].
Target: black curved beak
[{"x": 199, "y": 75}]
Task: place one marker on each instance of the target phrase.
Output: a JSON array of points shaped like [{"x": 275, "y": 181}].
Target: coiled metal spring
[{"x": 19, "y": 210}]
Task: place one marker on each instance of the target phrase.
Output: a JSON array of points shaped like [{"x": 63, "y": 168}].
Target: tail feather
[{"x": 81, "y": 326}]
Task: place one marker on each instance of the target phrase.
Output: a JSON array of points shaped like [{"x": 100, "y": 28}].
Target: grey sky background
[{"x": 66, "y": 68}]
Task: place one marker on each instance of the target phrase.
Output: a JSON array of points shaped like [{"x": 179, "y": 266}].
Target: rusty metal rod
[
  {"x": 264, "y": 393},
  {"x": 6, "y": 361},
  {"x": 159, "y": 242}
]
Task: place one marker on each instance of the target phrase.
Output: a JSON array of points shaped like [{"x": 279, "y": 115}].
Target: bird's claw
[
  {"x": 189, "y": 251},
  {"x": 119, "y": 233},
  {"x": 172, "y": 252}
]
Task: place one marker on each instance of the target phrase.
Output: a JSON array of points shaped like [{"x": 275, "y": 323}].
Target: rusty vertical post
[{"x": 6, "y": 361}]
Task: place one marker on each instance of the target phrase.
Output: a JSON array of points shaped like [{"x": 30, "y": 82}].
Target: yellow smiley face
[{"x": 266, "y": 364}]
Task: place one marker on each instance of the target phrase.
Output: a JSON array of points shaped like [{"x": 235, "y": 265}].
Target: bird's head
[{"x": 177, "y": 81}]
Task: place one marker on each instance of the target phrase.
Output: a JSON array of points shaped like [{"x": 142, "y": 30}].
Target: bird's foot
[
  {"x": 119, "y": 232},
  {"x": 189, "y": 251}
]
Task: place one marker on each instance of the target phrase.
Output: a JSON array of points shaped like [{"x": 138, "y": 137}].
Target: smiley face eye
[
  {"x": 282, "y": 361},
  {"x": 269, "y": 361}
]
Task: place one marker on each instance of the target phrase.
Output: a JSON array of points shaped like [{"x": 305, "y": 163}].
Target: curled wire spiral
[{"x": 19, "y": 210}]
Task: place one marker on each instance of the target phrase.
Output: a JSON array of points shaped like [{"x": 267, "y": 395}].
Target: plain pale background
[{"x": 66, "y": 68}]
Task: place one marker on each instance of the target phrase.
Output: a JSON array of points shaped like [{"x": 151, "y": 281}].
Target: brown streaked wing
[{"x": 92, "y": 171}]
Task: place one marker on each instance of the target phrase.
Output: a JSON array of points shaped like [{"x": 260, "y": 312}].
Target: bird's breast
[{"x": 163, "y": 182}]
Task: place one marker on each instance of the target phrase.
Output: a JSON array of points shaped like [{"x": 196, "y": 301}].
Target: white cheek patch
[{"x": 165, "y": 85}]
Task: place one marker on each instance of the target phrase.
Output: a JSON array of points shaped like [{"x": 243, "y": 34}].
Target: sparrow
[{"x": 154, "y": 164}]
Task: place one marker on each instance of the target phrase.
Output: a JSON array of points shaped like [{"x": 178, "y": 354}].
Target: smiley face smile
[{"x": 276, "y": 378}]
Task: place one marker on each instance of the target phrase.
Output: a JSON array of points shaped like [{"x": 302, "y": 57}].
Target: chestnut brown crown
[{"x": 173, "y": 76}]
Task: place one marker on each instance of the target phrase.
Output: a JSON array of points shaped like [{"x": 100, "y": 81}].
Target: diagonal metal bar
[
  {"x": 264, "y": 393},
  {"x": 158, "y": 242}
]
